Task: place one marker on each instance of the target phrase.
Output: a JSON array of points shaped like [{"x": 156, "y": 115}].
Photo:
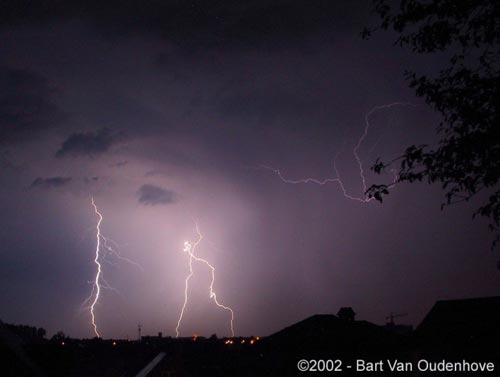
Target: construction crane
[{"x": 391, "y": 317}]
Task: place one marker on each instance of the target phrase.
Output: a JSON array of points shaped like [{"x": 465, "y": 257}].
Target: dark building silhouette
[
  {"x": 456, "y": 330},
  {"x": 466, "y": 322},
  {"x": 399, "y": 329}
]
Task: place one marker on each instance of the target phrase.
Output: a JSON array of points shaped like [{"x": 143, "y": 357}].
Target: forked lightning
[
  {"x": 190, "y": 249},
  {"x": 355, "y": 151}
]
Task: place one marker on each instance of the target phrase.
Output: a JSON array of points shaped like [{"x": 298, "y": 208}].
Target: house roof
[{"x": 461, "y": 320}]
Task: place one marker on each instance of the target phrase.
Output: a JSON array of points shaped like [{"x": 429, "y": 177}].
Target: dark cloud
[
  {"x": 51, "y": 182},
  {"x": 118, "y": 164},
  {"x": 265, "y": 104},
  {"x": 6, "y": 163},
  {"x": 192, "y": 23},
  {"x": 86, "y": 144},
  {"x": 25, "y": 105},
  {"x": 90, "y": 180},
  {"x": 153, "y": 195}
]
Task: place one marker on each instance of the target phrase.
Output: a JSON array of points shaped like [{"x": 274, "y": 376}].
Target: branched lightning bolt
[
  {"x": 116, "y": 253},
  {"x": 97, "y": 286},
  {"x": 99, "y": 283},
  {"x": 190, "y": 249},
  {"x": 337, "y": 179}
]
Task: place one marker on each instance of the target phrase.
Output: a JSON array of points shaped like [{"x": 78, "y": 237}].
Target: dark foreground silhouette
[{"x": 465, "y": 332}]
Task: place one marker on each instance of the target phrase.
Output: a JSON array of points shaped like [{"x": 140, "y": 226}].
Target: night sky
[{"x": 165, "y": 112}]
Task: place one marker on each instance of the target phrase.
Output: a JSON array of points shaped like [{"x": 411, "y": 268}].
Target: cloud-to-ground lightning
[
  {"x": 337, "y": 179},
  {"x": 96, "y": 288},
  {"x": 190, "y": 248},
  {"x": 99, "y": 282}
]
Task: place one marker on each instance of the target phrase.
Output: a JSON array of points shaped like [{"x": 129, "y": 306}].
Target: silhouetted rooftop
[
  {"x": 463, "y": 321},
  {"x": 328, "y": 332}
]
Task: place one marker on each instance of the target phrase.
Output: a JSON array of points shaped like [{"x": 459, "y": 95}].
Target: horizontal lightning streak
[{"x": 337, "y": 179}]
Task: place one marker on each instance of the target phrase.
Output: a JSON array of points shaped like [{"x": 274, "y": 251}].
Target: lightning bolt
[
  {"x": 190, "y": 249},
  {"x": 103, "y": 248},
  {"x": 337, "y": 179},
  {"x": 96, "y": 287}
]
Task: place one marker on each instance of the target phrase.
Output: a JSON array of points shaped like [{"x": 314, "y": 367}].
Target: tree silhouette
[
  {"x": 346, "y": 314},
  {"x": 41, "y": 332},
  {"x": 466, "y": 92},
  {"x": 58, "y": 337}
]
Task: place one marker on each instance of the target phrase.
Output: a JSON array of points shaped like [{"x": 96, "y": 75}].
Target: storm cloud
[
  {"x": 51, "y": 182},
  {"x": 86, "y": 144},
  {"x": 190, "y": 24},
  {"x": 155, "y": 195},
  {"x": 26, "y": 108}
]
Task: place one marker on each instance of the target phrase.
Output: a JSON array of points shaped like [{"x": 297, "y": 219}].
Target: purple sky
[{"x": 164, "y": 113}]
